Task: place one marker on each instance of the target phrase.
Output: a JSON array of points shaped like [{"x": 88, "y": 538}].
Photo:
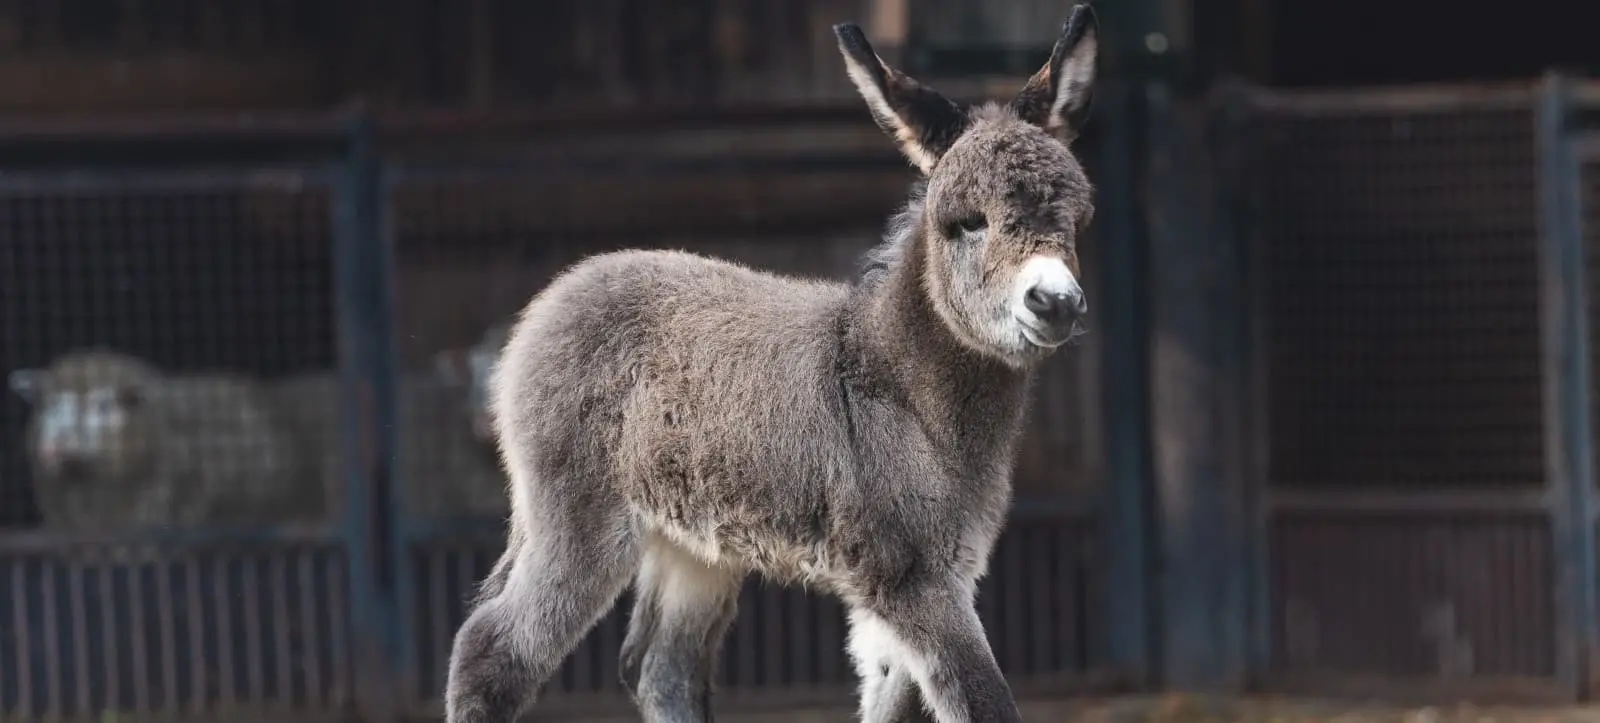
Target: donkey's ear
[
  {"x": 921, "y": 120},
  {"x": 1057, "y": 97}
]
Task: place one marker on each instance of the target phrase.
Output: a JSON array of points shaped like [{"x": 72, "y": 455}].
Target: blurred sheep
[
  {"x": 468, "y": 369},
  {"x": 442, "y": 468},
  {"x": 114, "y": 443}
]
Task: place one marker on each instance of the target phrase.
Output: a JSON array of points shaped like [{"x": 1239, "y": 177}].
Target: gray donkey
[{"x": 680, "y": 422}]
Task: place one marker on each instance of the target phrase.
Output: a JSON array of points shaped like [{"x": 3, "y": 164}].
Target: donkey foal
[{"x": 679, "y": 422}]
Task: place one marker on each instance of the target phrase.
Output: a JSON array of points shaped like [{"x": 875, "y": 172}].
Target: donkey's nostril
[{"x": 1053, "y": 307}]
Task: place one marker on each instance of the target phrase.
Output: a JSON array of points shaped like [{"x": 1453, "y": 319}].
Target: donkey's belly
[
  {"x": 766, "y": 515},
  {"x": 774, "y": 555}
]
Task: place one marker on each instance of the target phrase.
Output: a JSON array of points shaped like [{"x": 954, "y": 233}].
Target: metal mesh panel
[
  {"x": 1036, "y": 605},
  {"x": 1401, "y": 300},
  {"x": 148, "y": 319},
  {"x": 144, "y": 323},
  {"x": 1420, "y": 595}
]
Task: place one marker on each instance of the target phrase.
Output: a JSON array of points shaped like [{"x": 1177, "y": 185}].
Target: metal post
[
  {"x": 366, "y": 351},
  {"x": 1569, "y": 440},
  {"x": 1198, "y": 393},
  {"x": 1125, "y": 525}
]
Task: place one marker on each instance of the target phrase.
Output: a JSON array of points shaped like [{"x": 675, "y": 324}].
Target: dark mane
[{"x": 876, "y": 261}]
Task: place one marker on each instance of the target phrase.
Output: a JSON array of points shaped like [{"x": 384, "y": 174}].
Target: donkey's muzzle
[{"x": 1056, "y": 309}]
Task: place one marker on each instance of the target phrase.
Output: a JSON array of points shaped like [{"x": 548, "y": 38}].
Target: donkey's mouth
[{"x": 1045, "y": 339}]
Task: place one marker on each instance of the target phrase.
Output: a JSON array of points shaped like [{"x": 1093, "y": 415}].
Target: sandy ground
[
  {"x": 1202, "y": 709},
  {"x": 1205, "y": 709}
]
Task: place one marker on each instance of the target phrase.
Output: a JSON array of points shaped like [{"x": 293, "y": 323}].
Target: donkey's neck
[{"x": 960, "y": 396}]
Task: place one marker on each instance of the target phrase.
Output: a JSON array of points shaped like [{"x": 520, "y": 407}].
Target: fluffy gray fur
[{"x": 678, "y": 422}]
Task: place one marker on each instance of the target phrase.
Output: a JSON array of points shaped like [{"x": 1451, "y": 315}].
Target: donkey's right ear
[
  {"x": 921, "y": 120},
  {"x": 26, "y": 383}
]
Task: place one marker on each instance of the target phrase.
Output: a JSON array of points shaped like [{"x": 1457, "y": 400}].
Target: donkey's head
[{"x": 1006, "y": 201}]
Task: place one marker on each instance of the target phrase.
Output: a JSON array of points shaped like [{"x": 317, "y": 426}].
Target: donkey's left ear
[
  {"x": 919, "y": 118},
  {"x": 1057, "y": 97}
]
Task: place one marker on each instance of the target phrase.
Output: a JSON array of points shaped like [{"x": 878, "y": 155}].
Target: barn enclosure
[{"x": 1332, "y": 432}]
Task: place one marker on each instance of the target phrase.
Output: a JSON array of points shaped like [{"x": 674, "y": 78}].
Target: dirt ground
[{"x": 1206, "y": 709}]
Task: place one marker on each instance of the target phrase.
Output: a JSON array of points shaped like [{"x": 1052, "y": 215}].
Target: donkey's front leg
[{"x": 937, "y": 635}]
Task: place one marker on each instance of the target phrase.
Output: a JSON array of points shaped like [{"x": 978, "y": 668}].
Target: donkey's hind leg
[
  {"x": 680, "y": 617},
  {"x": 564, "y": 578},
  {"x": 888, "y": 692}
]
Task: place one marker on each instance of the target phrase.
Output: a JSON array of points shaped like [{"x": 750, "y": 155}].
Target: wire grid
[
  {"x": 1416, "y": 595},
  {"x": 218, "y": 284},
  {"x": 213, "y": 285},
  {"x": 1401, "y": 297}
]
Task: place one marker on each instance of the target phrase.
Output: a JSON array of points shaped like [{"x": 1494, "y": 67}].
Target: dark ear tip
[
  {"x": 852, "y": 40},
  {"x": 1082, "y": 19}
]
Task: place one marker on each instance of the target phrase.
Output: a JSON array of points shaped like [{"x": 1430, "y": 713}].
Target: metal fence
[
  {"x": 294, "y": 503},
  {"x": 1424, "y": 521},
  {"x": 240, "y": 474}
]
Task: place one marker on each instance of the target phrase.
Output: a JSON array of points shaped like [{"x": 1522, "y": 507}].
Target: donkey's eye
[{"x": 971, "y": 224}]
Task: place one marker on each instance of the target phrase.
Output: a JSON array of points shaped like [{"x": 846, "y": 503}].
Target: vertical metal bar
[
  {"x": 52, "y": 641},
  {"x": 1194, "y": 372},
  {"x": 110, "y": 635},
  {"x": 1568, "y": 432},
  {"x": 1124, "y": 548},
  {"x": 168, "y": 615},
  {"x": 364, "y": 275},
  {"x": 801, "y": 637},
  {"x": 1046, "y": 617},
  {"x": 78, "y": 571},
  {"x": 338, "y": 586},
  {"x": 400, "y": 538},
  {"x": 200, "y": 671},
  {"x": 1017, "y": 627},
  {"x": 469, "y": 563},
  {"x": 283, "y": 642},
  {"x": 25, "y": 666},
  {"x": 1242, "y": 188},
  {"x": 141, "y": 627},
  {"x": 310, "y": 629},
  {"x": 223, "y": 599},
  {"x": 255, "y": 687},
  {"x": 440, "y": 630}
]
